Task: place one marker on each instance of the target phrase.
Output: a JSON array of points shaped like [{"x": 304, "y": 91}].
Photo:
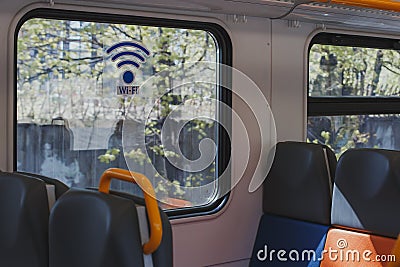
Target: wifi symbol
[{"x": 129, "y": 58}]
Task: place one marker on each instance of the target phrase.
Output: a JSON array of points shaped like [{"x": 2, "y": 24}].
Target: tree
[{"x": 63, "y": 71}]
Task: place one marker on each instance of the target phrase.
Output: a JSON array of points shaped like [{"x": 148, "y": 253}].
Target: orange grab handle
[
  {"x": 390, "y": 5},
  {"x": 153, "y": 212}
]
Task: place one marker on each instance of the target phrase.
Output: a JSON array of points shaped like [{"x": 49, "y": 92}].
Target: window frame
[
  {"x": 224, "y": 47},
  {"x": 351, "y": 105}
]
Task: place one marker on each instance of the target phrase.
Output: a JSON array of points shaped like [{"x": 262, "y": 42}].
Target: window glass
[
  {"x": 353, "y": 71},
  {"x": 355, "y": 131},
  {"x": 353, "y": 90},
  {"x": 70, "y": 113}
]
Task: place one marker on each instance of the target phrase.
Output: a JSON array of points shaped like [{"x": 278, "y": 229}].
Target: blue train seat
[{"x": 297, "y": 205}]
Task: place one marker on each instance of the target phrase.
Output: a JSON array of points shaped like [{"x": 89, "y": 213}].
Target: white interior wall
[{"x": 289, "y": 71}]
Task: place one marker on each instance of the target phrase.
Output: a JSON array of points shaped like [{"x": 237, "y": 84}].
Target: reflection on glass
[{"x": 355, "y": 131}]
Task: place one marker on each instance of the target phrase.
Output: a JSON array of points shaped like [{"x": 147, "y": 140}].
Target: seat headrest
[
  {"x": 60, "y": 187},
  {"x": 366, "y": 193},
  {"x": 299, "y": 184}
]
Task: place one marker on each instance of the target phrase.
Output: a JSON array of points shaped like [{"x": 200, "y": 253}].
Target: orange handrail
[
  {"x": 389, "y": 5},
  {"x": 153, "y": 212}
]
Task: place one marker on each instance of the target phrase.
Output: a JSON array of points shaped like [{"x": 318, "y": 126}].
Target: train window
[
  {"x": 79, "y": 80},
  {"x": 353, "y": 92}
]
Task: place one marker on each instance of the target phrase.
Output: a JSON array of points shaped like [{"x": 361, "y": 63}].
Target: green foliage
[
  {"x": 110, "y": 155},
  {"x": 137, "y": 155},
  {"x": 200, "y": 126},
  {"x": 61, "y": 67},
  {"x": 167, "y": 189}
]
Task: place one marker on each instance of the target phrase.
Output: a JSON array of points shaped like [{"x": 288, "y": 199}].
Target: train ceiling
[{"x": 322, "y": 13}]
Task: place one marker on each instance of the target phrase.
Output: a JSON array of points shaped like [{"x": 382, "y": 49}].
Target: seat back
[
  {"x": 296, "y": 203},
  {"x": 365, "y": 211},
  {"x": 299, "y": 184},
  {"x": 90, "y": 228},
  {"x": 24, "y": 214},
  {"x": 163, "y": 256}
]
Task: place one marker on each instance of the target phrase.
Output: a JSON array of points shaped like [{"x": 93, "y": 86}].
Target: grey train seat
[
  {"x": 24, "y": 221},
  {"x": 91, "y": 228},
  {"x": 88, "y": 228}
]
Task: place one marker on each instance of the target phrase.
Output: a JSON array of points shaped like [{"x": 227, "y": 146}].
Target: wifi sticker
[{"x": 128, "y": 56}]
